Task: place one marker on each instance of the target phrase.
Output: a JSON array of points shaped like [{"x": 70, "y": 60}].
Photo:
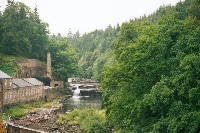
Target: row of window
[{"x": 24, "y": 92}]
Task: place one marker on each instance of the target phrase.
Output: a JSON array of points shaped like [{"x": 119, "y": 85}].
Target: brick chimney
[{"x": 49, "y": 73}]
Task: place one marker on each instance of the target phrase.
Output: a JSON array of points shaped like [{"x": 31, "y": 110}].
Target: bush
[
  {"x": 73, "y": 117},
  {"x": 61, "y": 119},
  {"x": 90, "y": 120},
  {"x": 93, "y": 121}
]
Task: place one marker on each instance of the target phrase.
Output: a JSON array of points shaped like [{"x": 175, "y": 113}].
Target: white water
[
  {"x": 76, "y": 95},
  {"x": 77, "y": 92},
  {"x": 78, "y": 101}
]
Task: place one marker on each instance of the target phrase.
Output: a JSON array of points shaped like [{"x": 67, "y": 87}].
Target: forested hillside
[
  {"x": 95, "y": 50},
  {"x": 149, "y": 67},
  {"x": 154, "y": 86},
  {"x": 24, "y": 35}
]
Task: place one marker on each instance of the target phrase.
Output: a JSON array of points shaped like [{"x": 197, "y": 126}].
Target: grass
[{"x": 19, "y": 110}]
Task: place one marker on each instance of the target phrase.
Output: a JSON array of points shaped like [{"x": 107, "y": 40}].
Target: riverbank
[
  {"x": 72, "y": 114},
  {"x": 38, "y": 115},
  {"x": 45, "y": 119}
]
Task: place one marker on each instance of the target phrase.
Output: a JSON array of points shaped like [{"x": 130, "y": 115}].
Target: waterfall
[{"x": 77, "y": 91}]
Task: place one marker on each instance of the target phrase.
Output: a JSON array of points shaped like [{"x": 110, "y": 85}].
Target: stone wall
[
  {"x": 6, "y": 83},
  {"x": 31, "y": 68},
  {"x": 24, "y": 94},
  {"x": 1, "y": 98},
  {"x": 52, "y": 93},
  {"x": 11, "y": 128},
  {"x": 58, "y": 84}
]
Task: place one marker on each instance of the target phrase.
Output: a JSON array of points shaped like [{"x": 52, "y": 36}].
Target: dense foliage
[
  {"x": 90, "y": 120},
  {"x": 64, "y": 58},
  {"x": 155, "y": 84},
  {"x": 94, "y": 50},
  {"x": 24, "y": 34},
  {"x": 149, "y": 67}
]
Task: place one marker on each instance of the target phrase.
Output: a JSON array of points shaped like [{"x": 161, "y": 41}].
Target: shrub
[
  {"x": 90, "y": 120},
  {"x": 73, "y": 117},
  {"x": 62, "y": 119}
]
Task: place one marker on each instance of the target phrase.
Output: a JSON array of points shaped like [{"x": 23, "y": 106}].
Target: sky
[{"x": 87, "y": 15}]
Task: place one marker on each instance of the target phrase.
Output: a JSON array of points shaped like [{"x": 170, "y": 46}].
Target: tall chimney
[{"x": 49, "y": 73}]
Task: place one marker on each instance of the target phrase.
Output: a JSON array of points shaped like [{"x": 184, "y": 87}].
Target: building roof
[
  {"x": 4, "y": 75},
  {"x": 33, "y": 81},
  {"x": 21, "y": 83},
  {"x": 14, "y": 86}
]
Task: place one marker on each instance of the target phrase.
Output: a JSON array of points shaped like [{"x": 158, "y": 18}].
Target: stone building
[
  {"x": 55, "y": 83},
  {"x": 25, "y": 88},
  {"x": 1, "y": 98},
  {"x": 34, "y": 68},
  {"x": 5, "y": 84},
  {"x": 14, "y": 91},
  {"x": 5, "y": 81}
]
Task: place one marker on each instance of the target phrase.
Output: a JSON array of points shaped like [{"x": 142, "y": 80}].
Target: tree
[
  {"x": 64, "y": 58},
  {"x": 92, "y": 49},
  {"x": 154, "y": 84},
  {"x": 23, "y": 33},
  {"x": 195, "y": 9}
]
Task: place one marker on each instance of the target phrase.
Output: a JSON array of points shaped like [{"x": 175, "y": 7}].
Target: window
[{"x": 55, "y": 85}]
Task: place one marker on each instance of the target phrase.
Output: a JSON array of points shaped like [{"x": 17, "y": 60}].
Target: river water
[{"x": 79, "y": 102}]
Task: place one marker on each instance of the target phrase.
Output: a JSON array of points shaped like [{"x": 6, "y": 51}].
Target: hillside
[
  {"x": 152, "y": 84},
  {"x": 149, "y": 67},
  {"x": 95, "y": 50},
  {"x": 8, "y": 64},
  {"x": 23, "y": 35}
]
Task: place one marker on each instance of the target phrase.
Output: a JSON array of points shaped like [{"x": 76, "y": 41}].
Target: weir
[{"x": 85, "y": 94}]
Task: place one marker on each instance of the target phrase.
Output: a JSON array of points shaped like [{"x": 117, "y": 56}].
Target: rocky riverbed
[{"x": 45, "y": 120}]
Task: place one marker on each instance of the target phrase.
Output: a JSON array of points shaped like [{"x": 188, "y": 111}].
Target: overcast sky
[{"x": 88, "y": 15}]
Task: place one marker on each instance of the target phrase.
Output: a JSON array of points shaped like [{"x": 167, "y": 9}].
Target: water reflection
[
  {"x": 90, "y": 97},
  {"x": 80, "y": 102}
]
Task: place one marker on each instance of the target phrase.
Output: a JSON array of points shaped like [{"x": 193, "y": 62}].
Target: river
[{"x": 78, "y": 101}]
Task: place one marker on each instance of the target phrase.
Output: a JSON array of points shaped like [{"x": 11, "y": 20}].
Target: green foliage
[
  {"x": 90, "y": 120},
  {"x": 61, "y": 119},
  {"x": 64, "y": 58},
  {"x": 154, "y": 84},
  {"x": 94, "y": 50},
  {"x": 8, "y": 64},
  {"x": 16, "y": 111},
  {"x": 22, "y": 32},
  {"x": 195, "y": 9},
  {"x": 73, "y": 117},
  {"x": 93, "y": 121}
]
